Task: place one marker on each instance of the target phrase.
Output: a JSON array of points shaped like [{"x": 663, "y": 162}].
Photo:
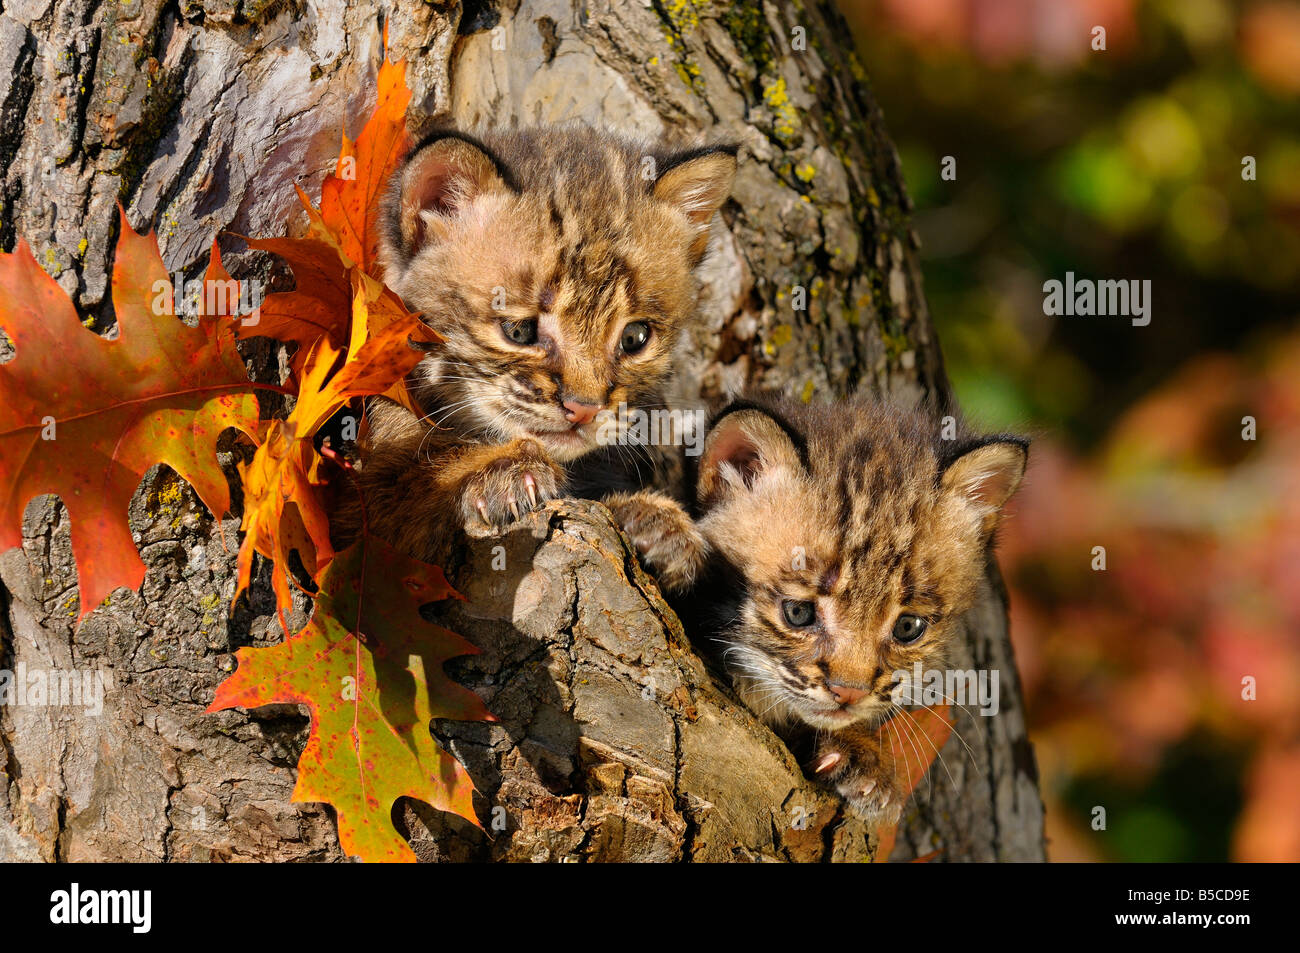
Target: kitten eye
[
  {"x": 635, "y": 336},
  {"x": 521, "y": 332},
  {"x": 909, "y": 628},
  {"x": 799, "y": 613}
]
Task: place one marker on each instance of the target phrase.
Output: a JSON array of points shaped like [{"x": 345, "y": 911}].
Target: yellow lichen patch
[
  {"x": 855, "y": 67},
  {"x": 682, "y": 18},
  {"x": 167, "y": 501},
  {"x": 782, "y": 335},
  {"x": 167, "y": 495},
  {"x": 806, "y": 171},
  {"x": 689, "y": 74},
  {"x": 684, "y": 14},
  {"x": 208, "y": 604},
  {"x": 785, "y": 118},
  {"x": 806, "y": 395}
]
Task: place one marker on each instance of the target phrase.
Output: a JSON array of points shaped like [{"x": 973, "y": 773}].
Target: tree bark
[{"x": 615, "y": 743}]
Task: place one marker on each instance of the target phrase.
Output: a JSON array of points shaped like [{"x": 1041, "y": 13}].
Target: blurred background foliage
[{"x": 1128, "y": 163}]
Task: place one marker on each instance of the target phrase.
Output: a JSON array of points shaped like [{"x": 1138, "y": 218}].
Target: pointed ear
[
  {"x": 437, "y": 183},
  {"x": 743, "y": 447},
  {"x": 697, "y": 183},
  {"x": 986, "y": 475}
]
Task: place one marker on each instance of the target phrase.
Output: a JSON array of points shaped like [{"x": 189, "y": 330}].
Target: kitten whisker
[
  {"x": 949, "y": 700},
  {"x": 970, "y": 752},
  {"x": 895, "y": 742},
  {"x": 921, "y": 761},
  {"x": 938, "y": 754}
]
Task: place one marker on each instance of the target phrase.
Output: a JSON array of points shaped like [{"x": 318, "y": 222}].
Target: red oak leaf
[{"x": 84, "y": 416}]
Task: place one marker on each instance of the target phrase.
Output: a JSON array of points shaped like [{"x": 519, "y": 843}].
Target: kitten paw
[
  {"x": 508, "y": 487},
  {"x": 664, "y": 534},
  {"x": 854, "y": 766}
]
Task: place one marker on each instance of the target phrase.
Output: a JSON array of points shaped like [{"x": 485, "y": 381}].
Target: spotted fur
[
  {"x": 583, "y": 233},
  {"x": 862, "y": 510}
]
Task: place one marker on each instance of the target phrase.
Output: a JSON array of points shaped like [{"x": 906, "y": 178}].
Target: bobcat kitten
[
  {"x": 834, "y": 545},
  {"x": 558, "y": 265}
]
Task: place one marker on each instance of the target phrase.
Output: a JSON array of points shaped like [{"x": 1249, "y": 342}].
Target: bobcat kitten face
[
  {"x": 851, "y": 537},
  {"x": 558, "y": 264}
]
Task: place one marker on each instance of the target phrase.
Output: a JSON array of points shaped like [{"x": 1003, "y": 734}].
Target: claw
[
  {"x": 481, "y": 506},
  {"x": 827, "y": 762},
  {"x": 530, "y": 486}
]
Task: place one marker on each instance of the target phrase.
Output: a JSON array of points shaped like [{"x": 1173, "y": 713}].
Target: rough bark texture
[{"x": 614, "y": 741}]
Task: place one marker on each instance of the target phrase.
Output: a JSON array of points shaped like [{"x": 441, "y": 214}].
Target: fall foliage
[{"x": 86, "y": 415}]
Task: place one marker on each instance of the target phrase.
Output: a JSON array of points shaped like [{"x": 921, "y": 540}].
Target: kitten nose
[
  {"x": 580, "y": 412},
  {"x": 845, "y": 694}
]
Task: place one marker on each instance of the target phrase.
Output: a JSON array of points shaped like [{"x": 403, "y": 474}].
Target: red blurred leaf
[{"x": 914, "y": 742}]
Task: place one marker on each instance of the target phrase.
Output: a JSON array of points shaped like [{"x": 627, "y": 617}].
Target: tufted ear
[
  {"x": 985, "y": 475},
  {"x": 439, "y": 181},
  {"x": 697, "y": 183},
  {"x": 743, "y": 447}
]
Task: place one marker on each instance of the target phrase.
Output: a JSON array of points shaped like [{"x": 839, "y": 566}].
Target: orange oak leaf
[
  {"x": 84, "y": 416},
  {"x": 371, "y": 671},
  {"x": 915, "y": 741},
  {"x": 220, "y": 296},
  {"x": 350, "y": 197},
  {"x": 283, "y": 511},
  {"x": 344, "y": 232},
  {"x": 319, "y": 305},
  {"x": 380, "y": 353},
  {"x": 340, "y": 248}
]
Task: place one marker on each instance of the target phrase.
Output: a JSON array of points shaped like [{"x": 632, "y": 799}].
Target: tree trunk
[{"x": 614, "y": 741}]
